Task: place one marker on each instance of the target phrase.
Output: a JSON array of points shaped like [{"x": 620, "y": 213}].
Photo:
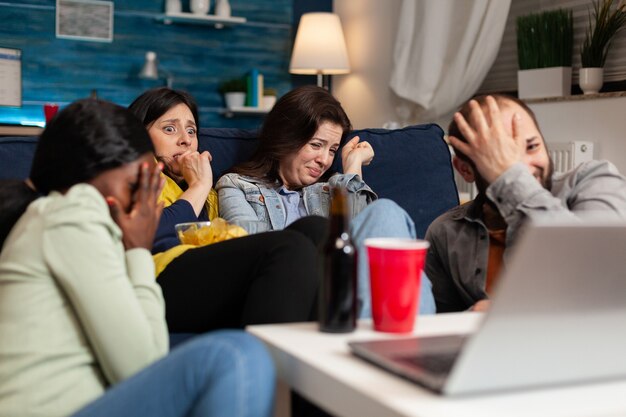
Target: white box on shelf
[{"x": 544, "y": 82}]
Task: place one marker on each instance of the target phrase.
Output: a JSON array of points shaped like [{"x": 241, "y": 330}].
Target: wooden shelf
[
  {"x": 18, "y": 130},
  {"x": 198, "y": 19},
  {"x": 243, "y": 111},
  {"x": 577, "y": 97}
]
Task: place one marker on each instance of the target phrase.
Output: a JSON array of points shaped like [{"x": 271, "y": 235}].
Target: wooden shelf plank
[
  {"x": 243, "y": 111},
  {"x": 208, "y": 19}
]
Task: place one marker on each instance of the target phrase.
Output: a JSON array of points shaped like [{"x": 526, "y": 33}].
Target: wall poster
[
  {"x": 87, "y": 20},
  {"x": 10, "y": 77}
]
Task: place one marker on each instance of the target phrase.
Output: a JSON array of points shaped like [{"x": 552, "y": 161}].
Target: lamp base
[{"x": 323, "y": 80}]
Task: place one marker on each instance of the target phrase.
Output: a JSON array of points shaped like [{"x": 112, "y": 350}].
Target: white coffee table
[{"x": 321, "y": 368}]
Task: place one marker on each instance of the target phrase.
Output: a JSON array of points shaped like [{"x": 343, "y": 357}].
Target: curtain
[{"x": 443, "y": 51}]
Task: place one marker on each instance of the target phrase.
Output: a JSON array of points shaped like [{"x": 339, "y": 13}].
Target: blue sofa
[{"x": 412, "y": 165}]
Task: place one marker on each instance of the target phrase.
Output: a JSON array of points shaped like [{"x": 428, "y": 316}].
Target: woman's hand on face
[
  {"x": 140, "y": 223},
  {"x": 196, "y": 169},
  {"x": 356, "y": 154}
]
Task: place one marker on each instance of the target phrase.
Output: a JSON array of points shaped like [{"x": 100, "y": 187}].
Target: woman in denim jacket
[{"x": 288, "y": 178}]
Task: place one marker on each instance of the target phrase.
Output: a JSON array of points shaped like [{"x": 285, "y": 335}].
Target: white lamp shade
[{"x": 320, "y": 47}]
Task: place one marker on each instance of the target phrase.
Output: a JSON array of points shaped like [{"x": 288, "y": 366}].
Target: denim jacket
[{"x": 257, "y": 206}]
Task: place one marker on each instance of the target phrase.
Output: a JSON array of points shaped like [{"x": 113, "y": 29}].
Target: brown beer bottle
[{"x": 338, "y": 305}]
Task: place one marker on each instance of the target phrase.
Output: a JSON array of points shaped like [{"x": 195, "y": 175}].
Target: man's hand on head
[{"x": 489, "y": 144}]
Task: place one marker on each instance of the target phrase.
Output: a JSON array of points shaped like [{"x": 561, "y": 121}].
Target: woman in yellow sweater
[{"x": 233, "y": 283}]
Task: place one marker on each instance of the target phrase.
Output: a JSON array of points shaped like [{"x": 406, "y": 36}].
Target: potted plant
[
  {"x": 544, "y": 51},
  {"x": 604, "y": 23},
  {"x": 234, "y": 91},
  {"x": 269, "y": 98}
]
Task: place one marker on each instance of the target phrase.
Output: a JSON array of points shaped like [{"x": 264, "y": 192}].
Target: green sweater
[{"x": 77, "y": 311}]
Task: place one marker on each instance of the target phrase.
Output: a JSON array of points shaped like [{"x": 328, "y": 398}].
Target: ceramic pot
[
  {"x": 199, "y": 6},
  {"x": 173, "y": 6},
  {"x": 235, "y": 99},
  {"x": 268, "y": 102},
  {"x": 544, "y": 82},
  {"x": 591, "y": 80},
  {"x": 222, "y": 8}
]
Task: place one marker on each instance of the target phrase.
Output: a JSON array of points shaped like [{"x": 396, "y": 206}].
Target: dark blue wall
[{"x": 199, "y": 57}]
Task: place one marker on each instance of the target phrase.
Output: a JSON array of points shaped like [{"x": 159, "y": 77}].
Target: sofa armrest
[{"x": 16, "y": 156}]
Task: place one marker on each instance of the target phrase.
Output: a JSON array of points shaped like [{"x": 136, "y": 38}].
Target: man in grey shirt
[{"x": 499, "y": 146}]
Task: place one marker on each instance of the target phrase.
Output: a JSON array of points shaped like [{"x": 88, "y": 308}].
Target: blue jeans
[
  {"x": 384, "y": 218},
  {"x": 224, "y": 373}
]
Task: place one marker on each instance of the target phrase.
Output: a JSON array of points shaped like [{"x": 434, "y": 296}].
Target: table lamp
[
  {"x": 320, "y": 47},
  {"x": 150, "y": 70}
]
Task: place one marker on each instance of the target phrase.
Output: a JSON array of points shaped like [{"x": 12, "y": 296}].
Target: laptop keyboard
[{"x": 438, "y": 364}]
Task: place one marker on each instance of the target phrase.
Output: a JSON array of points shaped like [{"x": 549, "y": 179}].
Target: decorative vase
[
  {"x": 222, "y": 8},
  {"x": 235, "y": 99},
  {"x": 173, "y": 6},
  {"x": 591, "y": 80},
  {"x": 199, "y": 6},
  {"x": 544, "y": 82},
  {"x": 268, "y": 102}
]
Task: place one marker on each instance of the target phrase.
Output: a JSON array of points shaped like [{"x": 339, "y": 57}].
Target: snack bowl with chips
[{"x": 205, "y": 233}]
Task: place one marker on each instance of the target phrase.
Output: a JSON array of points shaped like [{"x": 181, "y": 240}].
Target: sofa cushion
[
  {"x": 412, "y": 166},
  {"x": 228, "y": 147},
  {"x": 16, "y": 156}
]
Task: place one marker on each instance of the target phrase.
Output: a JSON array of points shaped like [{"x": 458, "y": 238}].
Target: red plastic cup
[
  {"x": 396, "y": 266},
  {"x": 50, "y": 110}
]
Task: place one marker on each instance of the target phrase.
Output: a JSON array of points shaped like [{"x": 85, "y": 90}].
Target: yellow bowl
[
  {"x": 205, "y": 233},
  {"x": 192, "y": 232}
]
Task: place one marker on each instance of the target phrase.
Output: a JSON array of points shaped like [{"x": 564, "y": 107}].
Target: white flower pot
[
  {"x": 222, "y": 8},
  {"x": 268, "y": 102},
  {"x": 591, "y": 80},
  {"x": 544, "y": 82},
  {"x": 199, "y": 6},
  {"x": 173, "y": 6},
  {"x": 234, "y": 100}
]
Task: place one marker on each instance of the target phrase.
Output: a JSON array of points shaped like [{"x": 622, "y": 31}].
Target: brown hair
[
  {"x": 453, "y": 128},
  {"x": 289, "y": 126}
]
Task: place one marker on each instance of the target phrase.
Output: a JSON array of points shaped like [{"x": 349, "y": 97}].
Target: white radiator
[
  {"x": 565, "y": 155},
  {"x": 568, "y": 155}
]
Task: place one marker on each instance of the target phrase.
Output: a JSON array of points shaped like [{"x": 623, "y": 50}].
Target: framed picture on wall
[
  {"x": 10, "y": 77},
  {"x": 87, "y": 20}
]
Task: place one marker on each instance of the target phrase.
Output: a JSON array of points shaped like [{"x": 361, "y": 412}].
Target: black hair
[
  {"x": 15, "y": 196},
  {"x": 289, "y": 126},
  {"x": 83, "y": 140},
  {"x": 152, "y": 104}
]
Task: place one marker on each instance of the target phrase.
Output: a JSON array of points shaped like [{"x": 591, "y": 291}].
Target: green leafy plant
[
  {"x": 545, "y": 39},
  {"x": 233, "y": 85},
  {"x": 604, "y": 23}
]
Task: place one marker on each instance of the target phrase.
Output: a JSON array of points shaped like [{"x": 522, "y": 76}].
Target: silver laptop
[{"x": 558, "y": 317}]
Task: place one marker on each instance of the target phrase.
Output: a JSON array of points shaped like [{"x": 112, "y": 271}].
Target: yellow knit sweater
[{"x": 171, "y": 192}]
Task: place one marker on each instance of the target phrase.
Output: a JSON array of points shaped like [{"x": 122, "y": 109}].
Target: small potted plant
[
  {"x": 269, "y": 98},
  {"x": 234, "y": 91},
  {"x": 604, "y": 22},
  {"x": 544, "y": 52}
]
